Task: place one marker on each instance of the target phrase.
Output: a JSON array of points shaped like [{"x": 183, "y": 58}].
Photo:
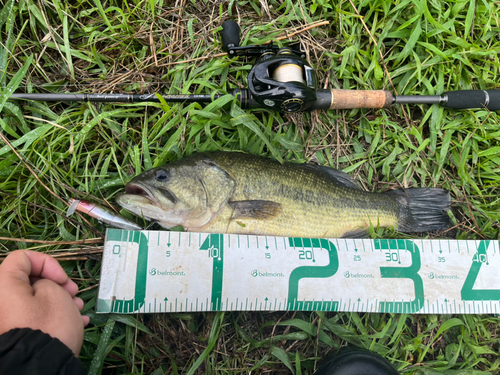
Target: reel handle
[{"x": 230, "y": 35}]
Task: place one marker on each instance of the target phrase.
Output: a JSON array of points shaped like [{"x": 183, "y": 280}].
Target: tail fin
[{"x": 422, "y": 209}]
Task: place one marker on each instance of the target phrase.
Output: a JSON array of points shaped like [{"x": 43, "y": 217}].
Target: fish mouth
[
  {"x": 137, "y": 189},
  {"x": 143, "y": 191}
]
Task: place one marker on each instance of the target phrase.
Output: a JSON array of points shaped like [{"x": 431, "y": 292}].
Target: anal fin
[{"x": 357, "y": 233}]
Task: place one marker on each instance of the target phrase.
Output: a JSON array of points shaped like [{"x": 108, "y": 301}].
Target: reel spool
[{"x": 288, "y": 73}]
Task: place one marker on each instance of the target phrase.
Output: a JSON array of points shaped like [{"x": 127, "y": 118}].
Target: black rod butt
[{"x": 473, "y": 99}]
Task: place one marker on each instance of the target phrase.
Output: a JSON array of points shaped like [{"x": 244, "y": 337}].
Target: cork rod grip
[{"x": 347, "y": 99}]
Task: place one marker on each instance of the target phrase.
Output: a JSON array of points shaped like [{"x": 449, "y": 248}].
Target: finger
[
  {"x": 49, "y": 290},
  {"x": 46, "y": 267},
  {"x": 71, "y": 287},
  {"x": 79, "y": 303},
  {"x": 17, "y": 266},
  {"x": 86, "y": 320},
  {"x": 23, "y": 264},
  {"x": 31, "y": 266},
  {"x": 43, "y": 266},
  {"x": 14, "y": 275}
]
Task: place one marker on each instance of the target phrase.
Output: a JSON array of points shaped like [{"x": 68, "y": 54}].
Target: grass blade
[
  {"x": 100, "y": 353},
  {"x": 14, "y": 82},
  {"x": 212, "y": 340}
]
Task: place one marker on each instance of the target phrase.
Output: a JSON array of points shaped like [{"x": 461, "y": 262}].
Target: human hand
[{"x": 36, "y": 293}]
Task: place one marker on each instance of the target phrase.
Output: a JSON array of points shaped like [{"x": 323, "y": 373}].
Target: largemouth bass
[{"x": 231, "y": 192}]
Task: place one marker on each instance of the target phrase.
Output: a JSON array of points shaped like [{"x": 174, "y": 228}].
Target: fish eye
[{"x": 161, "y": 175}]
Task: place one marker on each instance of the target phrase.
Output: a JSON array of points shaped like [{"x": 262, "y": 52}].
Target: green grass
[{"x": 91, "y": 150}]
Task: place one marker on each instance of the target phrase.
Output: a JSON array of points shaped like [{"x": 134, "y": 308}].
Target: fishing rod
[{"x": 283, "y": 80}]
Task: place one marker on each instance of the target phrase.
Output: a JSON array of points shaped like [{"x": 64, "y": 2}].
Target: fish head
[{"x": 187, "y": 194}]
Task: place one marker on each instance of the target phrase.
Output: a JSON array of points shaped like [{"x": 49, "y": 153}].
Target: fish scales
[{"x": 312, "y": 205}]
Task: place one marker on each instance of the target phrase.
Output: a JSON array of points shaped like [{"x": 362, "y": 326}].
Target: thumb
[{"x": 22, "y": 265}]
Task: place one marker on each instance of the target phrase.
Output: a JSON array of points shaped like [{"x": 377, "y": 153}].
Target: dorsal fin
[{"x": 336, "y": 176}]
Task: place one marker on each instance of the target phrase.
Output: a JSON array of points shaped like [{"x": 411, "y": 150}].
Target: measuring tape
[{"x": 161, "y": 271}]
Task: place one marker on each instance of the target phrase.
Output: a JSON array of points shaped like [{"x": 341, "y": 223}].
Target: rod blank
[
  {"x": 114, "y": 98},
  {"x": 326, "y": 99},
  {"x": 418, "y": 99}
]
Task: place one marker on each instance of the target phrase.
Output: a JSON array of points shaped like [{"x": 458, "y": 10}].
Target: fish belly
[{"x": 313, "y": 222}]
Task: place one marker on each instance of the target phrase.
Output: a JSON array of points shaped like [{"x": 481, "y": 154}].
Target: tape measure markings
[{"x": 275, "y": 273}]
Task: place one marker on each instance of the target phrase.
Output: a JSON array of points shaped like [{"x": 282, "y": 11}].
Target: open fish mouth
[
  {"x": 137, "y": 189},
  {"x": 145, "y": 192}
]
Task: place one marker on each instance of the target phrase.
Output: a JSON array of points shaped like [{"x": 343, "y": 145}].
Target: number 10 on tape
[{"x": 160, "y": 271}]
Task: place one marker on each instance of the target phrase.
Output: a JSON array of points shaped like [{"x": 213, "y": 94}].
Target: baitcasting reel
[{"x": 281, "y": 79}]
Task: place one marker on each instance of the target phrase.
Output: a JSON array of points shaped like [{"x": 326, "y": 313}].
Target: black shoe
[{"x": 356, "y": 361}]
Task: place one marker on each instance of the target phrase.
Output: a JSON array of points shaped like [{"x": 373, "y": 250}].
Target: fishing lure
[{"x": 101, "y": 213}]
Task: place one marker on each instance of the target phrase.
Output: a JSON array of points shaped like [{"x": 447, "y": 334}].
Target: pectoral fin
[{"x": 255, "y": 209}]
